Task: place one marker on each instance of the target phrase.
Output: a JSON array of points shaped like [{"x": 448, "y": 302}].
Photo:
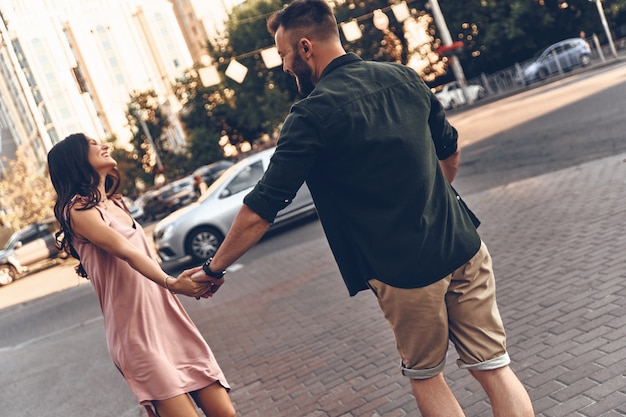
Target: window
[{"x": 247, "y": 178}]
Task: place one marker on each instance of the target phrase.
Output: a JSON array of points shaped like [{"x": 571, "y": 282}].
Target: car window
[
  {"x": 247, "y": 178},
  {"x": 24, "y": 235},
  {"x": 46, "y": 229}
]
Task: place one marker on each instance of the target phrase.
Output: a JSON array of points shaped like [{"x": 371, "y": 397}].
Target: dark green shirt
[{"x": 367, "y": 142}]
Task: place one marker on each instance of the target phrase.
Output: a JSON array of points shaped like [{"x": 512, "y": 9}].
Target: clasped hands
[{"x": 195, "y": 283}]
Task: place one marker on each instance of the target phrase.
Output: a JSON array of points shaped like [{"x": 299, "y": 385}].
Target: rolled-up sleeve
[
  {"x": 298, "y": 148},
  {"x": 445, "y": 137}
]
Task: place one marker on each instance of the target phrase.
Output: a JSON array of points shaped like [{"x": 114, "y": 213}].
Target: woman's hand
[{"x": 184, "y": 284}]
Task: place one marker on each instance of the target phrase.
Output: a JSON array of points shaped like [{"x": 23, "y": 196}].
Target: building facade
[{"x": 70, "y": 66}]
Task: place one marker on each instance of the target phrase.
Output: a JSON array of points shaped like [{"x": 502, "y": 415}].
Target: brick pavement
[{"x": 292, "y": 342}]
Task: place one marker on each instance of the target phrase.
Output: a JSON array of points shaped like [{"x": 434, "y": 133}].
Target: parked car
[
  {"x": 451, "y": 95},
  {"x": 153, "y": 205},
  {"x": 565, "y": 55},
  {"x": 178, "y": 194},
  {"x": 197, "y": 231},
  {"x": 211, "y": 172},
  {"x": 30, "y": 247}
]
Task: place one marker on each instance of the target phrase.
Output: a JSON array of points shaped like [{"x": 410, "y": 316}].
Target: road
[{"x": 59, "y": 364}]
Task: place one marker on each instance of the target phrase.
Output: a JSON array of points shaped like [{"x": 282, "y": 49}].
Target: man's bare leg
[
  {"x": 434, "y": 398},
  {"x": 508, "y": 396}
]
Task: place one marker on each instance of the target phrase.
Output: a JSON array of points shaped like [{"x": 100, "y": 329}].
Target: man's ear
[{"x": 305, "y": 44}]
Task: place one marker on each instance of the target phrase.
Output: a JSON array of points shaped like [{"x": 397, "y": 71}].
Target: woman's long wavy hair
[{"x": 72, "y": 175}]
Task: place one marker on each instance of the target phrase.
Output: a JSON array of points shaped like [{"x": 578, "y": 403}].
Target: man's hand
[
  {"x": 210, "y": 285},
  {"x": 186, "y": 285}
]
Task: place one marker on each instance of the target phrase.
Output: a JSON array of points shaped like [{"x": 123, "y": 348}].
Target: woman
[
  {"x": 199, "y": 186},
  {"x": 150, "y": 337}
]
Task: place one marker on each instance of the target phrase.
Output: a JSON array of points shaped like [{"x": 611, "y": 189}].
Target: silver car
[
  {"x": 197, "y": 230},
  {"x": 562, "y": 56}
]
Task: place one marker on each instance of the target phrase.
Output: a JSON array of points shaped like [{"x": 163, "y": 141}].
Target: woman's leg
[
  {"x": 214, "y": 401},
  {"x": 179, "y": 406}
]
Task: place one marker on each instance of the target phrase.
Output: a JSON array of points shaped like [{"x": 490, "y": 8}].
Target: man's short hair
[{"x": 311, "y": 18}]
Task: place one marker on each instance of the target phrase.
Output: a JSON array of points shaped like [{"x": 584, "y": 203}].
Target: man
[{"x": 372, "y": 143}]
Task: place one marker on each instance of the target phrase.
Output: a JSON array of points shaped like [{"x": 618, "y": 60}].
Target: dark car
[
  {"x": 211, "y": 172},
  {"x": 153, "y": 205},
  {"x": 30, "y": 247},
  {"x": 177, "y": 194}
]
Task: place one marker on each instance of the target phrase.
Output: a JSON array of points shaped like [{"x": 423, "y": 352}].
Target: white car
[
  {"x": 451, "y": 95},
  {"x": 196, "y": 231}
]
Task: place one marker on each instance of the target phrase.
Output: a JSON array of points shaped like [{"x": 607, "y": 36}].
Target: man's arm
[
  {"x": 247, "y": 229},
  {"x": 450, "y": 165}
]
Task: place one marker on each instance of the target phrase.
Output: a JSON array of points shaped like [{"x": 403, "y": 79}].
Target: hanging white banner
[
  {"x": 209, "y": 76},
  {"x": 351, "y": 30},
  {"x": 271, "y": 57},
  {"x": 400, "y": 11},
  {"x": 236, "y": 71}
]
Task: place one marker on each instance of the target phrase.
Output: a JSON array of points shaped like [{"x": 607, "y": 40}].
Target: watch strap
[{"x": 207, "y": 270}]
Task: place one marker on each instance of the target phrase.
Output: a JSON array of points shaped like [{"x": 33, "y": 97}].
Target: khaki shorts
[{"x": 461, "y": 308}]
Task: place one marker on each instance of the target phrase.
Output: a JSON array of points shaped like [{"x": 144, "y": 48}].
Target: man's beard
[{"x": 303, "y": 76}]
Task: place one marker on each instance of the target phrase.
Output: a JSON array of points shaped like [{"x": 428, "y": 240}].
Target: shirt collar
[{"x": 339, "y": 62}]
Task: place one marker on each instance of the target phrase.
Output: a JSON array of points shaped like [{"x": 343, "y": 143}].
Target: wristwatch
[{"x": 207, "y": 270}]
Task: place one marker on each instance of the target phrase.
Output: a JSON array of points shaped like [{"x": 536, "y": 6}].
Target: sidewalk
[{"x": 294, "y": 344}]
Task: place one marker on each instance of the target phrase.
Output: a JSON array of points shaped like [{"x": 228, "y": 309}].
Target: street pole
[
  {"x": 457, "y": 69},
  {"x": 606, "y": 27}
]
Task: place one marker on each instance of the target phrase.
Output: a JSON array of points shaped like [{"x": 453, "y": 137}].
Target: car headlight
[{"x": 164, "y": 233}]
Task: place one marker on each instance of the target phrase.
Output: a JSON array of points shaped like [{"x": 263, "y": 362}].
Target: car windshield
[{"x": 251, "y": 173}]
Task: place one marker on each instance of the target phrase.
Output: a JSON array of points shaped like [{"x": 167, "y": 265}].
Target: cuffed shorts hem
[
  {"x": 495, "y": 363},
  {"x": 424, "y": 373}
]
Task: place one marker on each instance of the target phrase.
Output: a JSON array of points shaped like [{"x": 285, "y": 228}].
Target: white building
[{"x": 77, "y": 62}]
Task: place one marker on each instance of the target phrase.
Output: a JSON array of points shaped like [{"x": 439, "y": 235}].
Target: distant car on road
[
  {"x": 561, "y": 56},
  {"x": 451, "y": 95},
  {"x": 211, "y": 172},
  {"x": 197, "y": 230},
  {"x": 30, "y": 247},
  {"x": 177, "y": 194}
]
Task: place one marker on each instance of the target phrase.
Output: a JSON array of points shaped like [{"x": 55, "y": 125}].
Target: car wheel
[
  {"x": 202, "y": 243},
  {"x": 7, "y": 274},
  {"x": 585, "y": 60}
]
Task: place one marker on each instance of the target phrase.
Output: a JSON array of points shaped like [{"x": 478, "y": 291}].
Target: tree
[
  {"x": 27, "y": 196},
  {"x": 230, "y": 115},
  {"x": 149, "y": 154}
]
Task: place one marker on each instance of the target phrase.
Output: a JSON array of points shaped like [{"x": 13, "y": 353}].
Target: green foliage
[
  {"x": 375, "y": 45},
  {"x": 133, "y": 175},
  {"x": 143, "y": 113},
  {"x": 240, "y": 112},
  {"x": 140, "y": 165},
  {"x": 27, "y": 196},
  {"x": 204, "y": 146}
]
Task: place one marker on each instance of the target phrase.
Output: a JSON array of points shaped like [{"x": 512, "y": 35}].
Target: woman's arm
[{"x": 90, "y": 225}]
